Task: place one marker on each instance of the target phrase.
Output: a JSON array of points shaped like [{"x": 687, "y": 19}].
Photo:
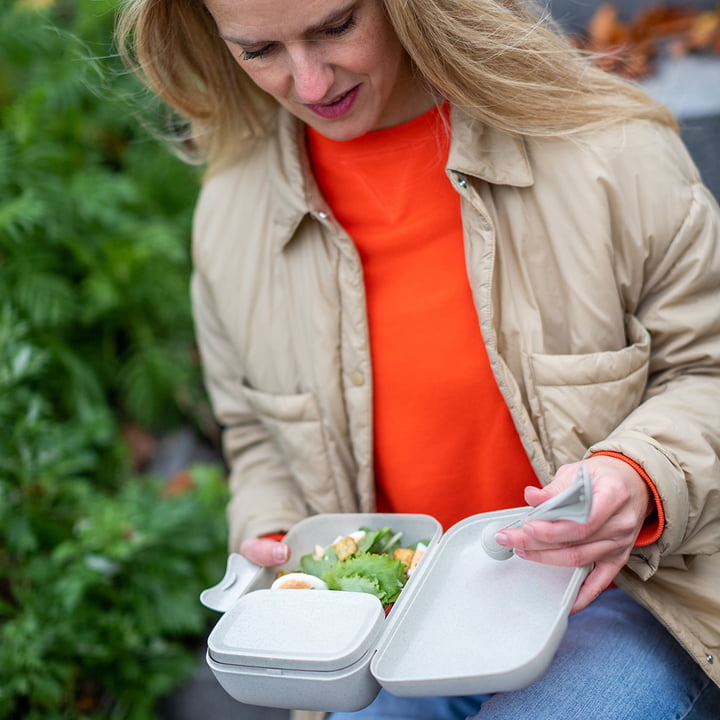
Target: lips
[{"x": 338, "y": 107}]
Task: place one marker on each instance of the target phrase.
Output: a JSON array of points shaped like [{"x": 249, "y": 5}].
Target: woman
[{"x": 440, "y": 260}]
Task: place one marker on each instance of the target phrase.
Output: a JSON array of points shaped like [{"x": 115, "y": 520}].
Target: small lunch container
[{"x": 465, "y": 622}]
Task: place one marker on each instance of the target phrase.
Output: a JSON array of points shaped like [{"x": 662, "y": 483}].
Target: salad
[{"x": 370, "y": 561}]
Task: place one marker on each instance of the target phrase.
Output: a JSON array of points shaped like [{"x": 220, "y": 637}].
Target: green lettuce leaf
[
  {"x": 379, "y": 574},
  {"x": 312, "y": 566},
  {"x": 382, "y": 541},
  {"x": 358, "y": 583}
]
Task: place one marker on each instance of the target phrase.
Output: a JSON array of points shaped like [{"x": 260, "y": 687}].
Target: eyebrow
[{"x": 311, "y": 30}]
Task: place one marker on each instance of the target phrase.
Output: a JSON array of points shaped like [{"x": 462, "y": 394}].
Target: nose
[{"x": 313, "y": 76}]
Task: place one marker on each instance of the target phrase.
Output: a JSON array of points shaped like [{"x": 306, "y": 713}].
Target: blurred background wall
[{"x": 688, "y": 85}]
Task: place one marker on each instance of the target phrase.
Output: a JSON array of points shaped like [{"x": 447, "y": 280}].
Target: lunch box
[{"x": 465, "y": 622}]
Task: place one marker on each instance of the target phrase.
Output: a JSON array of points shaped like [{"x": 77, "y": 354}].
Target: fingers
[
  {"x": 534, "y": 496},
  {"x": 266, "y": 552},
  {"x": 576, "y": 554},
  {"x": 621, "y": 500},
  {"x": 620, "y": 503},
  {"x": 598, "y": 580},
  {"x": 609, "y": 534}
]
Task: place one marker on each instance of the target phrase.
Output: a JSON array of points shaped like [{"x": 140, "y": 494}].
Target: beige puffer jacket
[{"x": 595, "y": 268}]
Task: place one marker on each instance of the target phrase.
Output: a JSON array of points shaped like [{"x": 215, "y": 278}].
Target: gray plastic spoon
[{"x": 574, "y": 504}]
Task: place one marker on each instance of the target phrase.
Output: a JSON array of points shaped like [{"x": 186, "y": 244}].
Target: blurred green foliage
[{"x": 100, "y": 567}]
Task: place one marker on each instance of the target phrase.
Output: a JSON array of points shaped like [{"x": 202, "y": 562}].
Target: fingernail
[
  {"x": 281, "y": 553},
  {"x": 520, "y": 553},
  {"x": 502, "y": 539}
]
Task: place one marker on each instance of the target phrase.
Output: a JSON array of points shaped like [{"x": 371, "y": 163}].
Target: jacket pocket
[
  {"x": 578, "y": 400},
  {"x": 295, "y": 427}
]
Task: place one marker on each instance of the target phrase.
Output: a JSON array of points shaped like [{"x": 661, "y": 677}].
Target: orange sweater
[{"x": 444, "y": 441}]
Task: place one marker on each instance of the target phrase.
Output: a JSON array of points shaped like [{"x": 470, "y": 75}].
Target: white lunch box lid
[
  {"x": 311, "y": 630},
  {"x": 474, "y": 624}
]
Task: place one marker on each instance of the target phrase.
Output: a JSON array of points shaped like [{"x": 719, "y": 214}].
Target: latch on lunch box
[{"x": 574, "y": 504}]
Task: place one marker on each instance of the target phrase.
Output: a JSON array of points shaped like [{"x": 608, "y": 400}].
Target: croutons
[
  {"x": 404, "y": 555},
  {"x": 409, "y": 557},
  {"x": 345, "y": 547}
]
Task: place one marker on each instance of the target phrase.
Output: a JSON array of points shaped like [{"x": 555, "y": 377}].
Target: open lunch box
[{"x": 472, "y": 618}]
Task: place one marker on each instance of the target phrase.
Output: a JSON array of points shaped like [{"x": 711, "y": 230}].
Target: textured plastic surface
[
  {"x": 346, "y": 690},
  {"x": 473, "y": 625},
  {"x": 297, "y": 630}
]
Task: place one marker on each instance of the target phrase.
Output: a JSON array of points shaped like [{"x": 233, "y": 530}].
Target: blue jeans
[{"x": 615, "y": 662}]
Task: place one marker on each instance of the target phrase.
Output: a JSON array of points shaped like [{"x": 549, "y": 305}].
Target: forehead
[{"x": 276, "y": 19}]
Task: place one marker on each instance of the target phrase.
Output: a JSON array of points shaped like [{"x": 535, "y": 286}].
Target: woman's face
[{"x": 335, "y": 64}]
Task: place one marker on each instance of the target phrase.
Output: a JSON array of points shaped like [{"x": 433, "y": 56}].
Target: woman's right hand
[{"x": 265, "y": 551}]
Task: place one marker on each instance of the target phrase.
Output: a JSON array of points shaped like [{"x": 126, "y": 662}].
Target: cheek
[
  {"x": 384, "y": 74},
  {"x": 382, "y": 56},
  {"x": 369, "y": 59},
  {"x": 262, "y": 75},
  {"x": 266, "y": 79}
]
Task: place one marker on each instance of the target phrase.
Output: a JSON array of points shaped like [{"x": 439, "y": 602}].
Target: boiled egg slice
[{"x": 298, "y": 581}]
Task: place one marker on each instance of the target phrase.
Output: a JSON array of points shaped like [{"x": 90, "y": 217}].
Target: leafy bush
[{"x": 100, "y": 565}]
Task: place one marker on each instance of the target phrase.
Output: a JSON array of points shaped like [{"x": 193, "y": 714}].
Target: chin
[{"x": 340, "y": 130}]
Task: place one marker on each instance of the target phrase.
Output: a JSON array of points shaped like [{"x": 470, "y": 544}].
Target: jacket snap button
[
  {"x": 463, "y": 183},
  {"x": 322, "y": 215},
  {"x": 710, "y": 658},
  {"x": 357, "y": 378}
]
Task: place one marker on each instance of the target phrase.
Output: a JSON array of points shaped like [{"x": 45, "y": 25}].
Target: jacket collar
[
  {"x": 476, "y": 150},
  {"x": 486, "y": 153},
  {"x": 295, "y": 193}
]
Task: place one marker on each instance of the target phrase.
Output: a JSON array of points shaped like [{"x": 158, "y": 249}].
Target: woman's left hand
[{"x": 622, "y": 501}]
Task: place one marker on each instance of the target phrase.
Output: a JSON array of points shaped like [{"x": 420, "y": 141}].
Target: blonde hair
[
  {"x": 505, "y": 62},
  {"x": 174, "y": 46},
  {"x": 508, "y": 64}
]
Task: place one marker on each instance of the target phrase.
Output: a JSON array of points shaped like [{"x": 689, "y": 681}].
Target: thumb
[
  {"x": 564, "y": 478},
  {"x": 266, "y": 552},
  {"x": 535, "y": 495}
]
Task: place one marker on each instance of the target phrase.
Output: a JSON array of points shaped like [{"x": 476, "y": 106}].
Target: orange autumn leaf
[
  {"x": 604, "y": 28},
  {"x": 629, "y": 49},
  {"x": 704, "y": 31}
]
